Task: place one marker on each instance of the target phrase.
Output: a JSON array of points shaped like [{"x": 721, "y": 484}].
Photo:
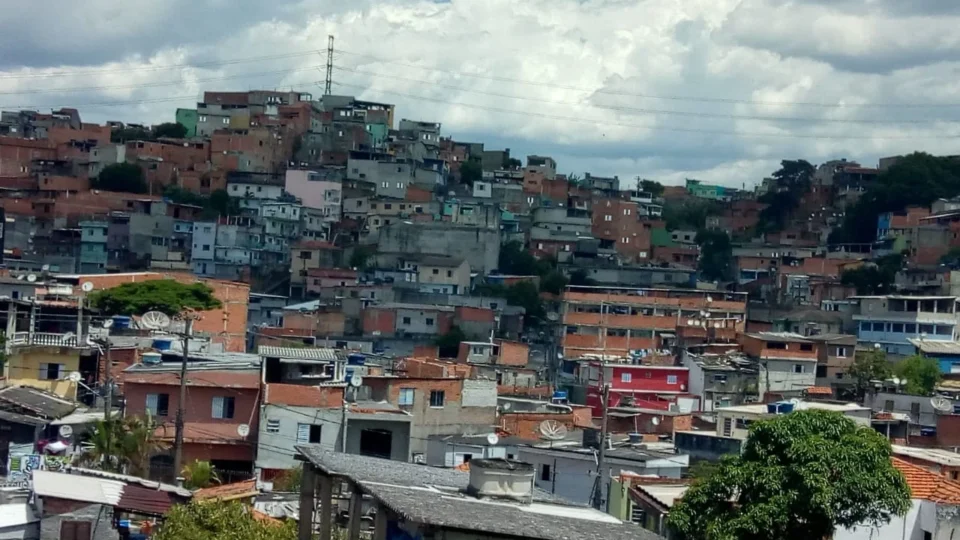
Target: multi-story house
[
  {"x": 321, "y": 190},
  {"x": 306, "y": 255},
  {"x": 254, "y": 189},
  {"x": 438, "y": 274},
  {"x": 617, "y": 224},
  {"x": 836, "y": 353},
  {"x": 721, "y": 378},
  {"x": 891, "y": 321},
  {"x": 619, "y": 321},
  {"x": 636, "y": 385},
  {"x": 787, "y": 362},
  {"x": 93, "y": 246}
]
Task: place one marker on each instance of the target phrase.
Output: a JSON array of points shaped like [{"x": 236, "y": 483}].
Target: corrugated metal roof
[
  {"x": 13, "y": 515},
  {"x": 936, "y": 347},
  {"x": 77, "y": 488},
  {"x": 298, "y": 353},
  {"x": 141, "y": 500}
]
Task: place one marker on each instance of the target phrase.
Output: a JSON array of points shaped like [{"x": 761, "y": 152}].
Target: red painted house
[
  {"x": 221, "y": 412},
  {"x": 634, "y": 385}
]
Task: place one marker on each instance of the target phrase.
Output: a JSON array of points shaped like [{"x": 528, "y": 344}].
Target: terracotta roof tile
[
  {"x": 928, "y": 485},
  {"x": 228, "y": 492},
  {"x": 819, "y": 391}
]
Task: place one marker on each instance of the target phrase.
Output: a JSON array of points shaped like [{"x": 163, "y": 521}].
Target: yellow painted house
[{"x": 43, "y": 367}]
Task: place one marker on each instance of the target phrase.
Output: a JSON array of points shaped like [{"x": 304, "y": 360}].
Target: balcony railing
[{"x": 47, "y": 339}]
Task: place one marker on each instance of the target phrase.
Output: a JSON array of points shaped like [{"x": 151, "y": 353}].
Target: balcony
[{"x": 43, "y": 339}]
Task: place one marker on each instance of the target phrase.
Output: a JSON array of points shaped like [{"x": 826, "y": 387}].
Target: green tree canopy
[
  {"x": 690, "y": 213},
  {"x": 166, "y": 295},
  {"x": 220, "y": 521},
  {"x": 581, "y": 277},
  {"x": 716, "y": 255},
  {"x": 170, "y": 130},
  {"x": 471, "y": 171},
  {"x": 874, "y": 278},
  {"x": 126, "y": 177},
  {"x": 921, "y": 374},
  {"x": 792, "y": 182},
  {"x": 869, "y": 366},
  {"x": 449, "y": 343},
  {"x": 199, "y": 475},
  {"x": 554, "y": 282},
  {"x": 218, "y": 203},
  {"x": 651, "y": 186},
  {"x": 800, "y": 475},
  {"x": 517, "y": 261}
]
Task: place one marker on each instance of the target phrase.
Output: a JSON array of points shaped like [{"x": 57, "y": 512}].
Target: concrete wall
[
  {"x": 57, "y": 510},
  {"x": 779, "y": 376},
  {"x": 480, "y": 248},
  {"x": 275, "y": 450},
  {"x": 906, "y": 527},
  {"x": 204, "y": 241},
  {"x": 400, "y": 431}
]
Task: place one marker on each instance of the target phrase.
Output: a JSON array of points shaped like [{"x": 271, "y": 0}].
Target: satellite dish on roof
[
  {"x": 493, "y": 439},
  {"x": 155, "y": 320},
  {"x": 655, "y": 420},
  {"x": 108, "y": 323},
  {"x": 552, "y": 430},
  {"x": 507, "y": 406},
  {"x": 74, "y": 376},
  {"x": 355, "y": 380},
  {"x": 553, "y": 316},
  {"x": 31, "y": 278},
  {"x": 65, "y": 431},
  {"x": 45, "y": 268},
  {"x": 243, "y": 430},
  {"x": 941, "y": 404},
  {"x": 86, "y": 287}
]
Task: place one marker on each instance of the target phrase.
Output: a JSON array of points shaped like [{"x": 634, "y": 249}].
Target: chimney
[{"x": 501, "y": 479}]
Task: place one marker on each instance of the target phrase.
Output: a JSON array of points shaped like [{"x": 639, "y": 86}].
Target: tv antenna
[{"x": 552, "y": 430}]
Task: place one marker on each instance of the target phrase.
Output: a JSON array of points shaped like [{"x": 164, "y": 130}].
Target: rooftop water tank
[
  {"x": 121, "y": 322},
  {"x": 162, "y": 344},
  {"x": 152, "y": 358}
]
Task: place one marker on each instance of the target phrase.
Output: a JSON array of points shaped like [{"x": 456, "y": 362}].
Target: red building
[
  {"x": 221, "y": 411},
  {"x": 634, "y": 385}
]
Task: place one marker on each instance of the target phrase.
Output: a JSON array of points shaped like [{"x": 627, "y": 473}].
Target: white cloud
[{"x": 619, "y": 87}]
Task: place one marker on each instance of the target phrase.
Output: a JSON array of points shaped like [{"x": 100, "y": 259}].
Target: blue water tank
[
  {"x": 772, "y": 408},
  {"x": 162, "y": 344},
  {"x": 356, "y": 359},
  {"x": 121, "y": 322},
  {"x": 560, "y": 395},
  {"x": 786, "y": 407}
]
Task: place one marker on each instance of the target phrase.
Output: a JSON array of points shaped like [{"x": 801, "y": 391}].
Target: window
[
  {"x": 841, "y": 352},
  {"x": 223, "y": 407},
  {"x": 626, "y": 377},
  {"x": 273, "y": 426},
  {"x": 897, "y": 327},
  {"x": 406, "y": 396},
  {"x": 308, "y": 433},
  {"x": 50, "y": 372},
  {"x": 449, "y": 273},
  {"x": 206, "y": 247},
  {"x": 626, "y": 240},
  {"x": 406, "y": 320},
  {"x": 545, "y": 473},
  {"x": 158, "y": 404},
  {"x": 926, "y": 328},
  {"x": 888, "y": 405},
  {"x": 798, "y": 368},
  {"x": 626, "y": 211},
  {"x": 387, "y": 206},
  {"x": 436, "y": 398},
  {"x": 75, "y": 530},
  {"x": 910, "y": 328},
  {"x": 436, "y": 271},
  {"x": 878, "y": 327},
  {"x": 722, "y": 379},
  {"x": 806, "y": 347},
  {"x": 671, "y": 379},
  {"x": 608, "y": 217},
  {"x": 915, "y": 411},
  {"x": 429, "y": 321}
]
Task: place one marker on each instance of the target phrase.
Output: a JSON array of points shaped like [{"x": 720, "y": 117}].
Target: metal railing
[{"x": 22, "y": 339}]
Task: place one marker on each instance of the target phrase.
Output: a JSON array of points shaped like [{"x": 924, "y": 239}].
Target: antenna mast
[{"x": 328, "y": 82}]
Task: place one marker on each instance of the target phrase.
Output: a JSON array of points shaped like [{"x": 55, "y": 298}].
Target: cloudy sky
[{"x": 719, "y": 90}]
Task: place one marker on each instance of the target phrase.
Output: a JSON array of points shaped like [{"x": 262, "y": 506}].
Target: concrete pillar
[
  {"x": 356, "y": 513},
  {"x": 307, "y": 493},
  {"x": 326, "y": 507},
  {"x": 380, "y": 523}
]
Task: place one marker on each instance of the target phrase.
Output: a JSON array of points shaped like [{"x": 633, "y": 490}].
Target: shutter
[
  {"x": 43, "y": 371},
  {"x": 153, "y": 403},
  {"x": 83, "y": 530},
  {"x": 217, "y": 407},
  {"x": 303, "y": 433},
  {"x": 68, "y": 530}
]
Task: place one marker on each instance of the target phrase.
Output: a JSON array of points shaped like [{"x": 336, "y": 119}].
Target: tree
[
  {"x": 525, "y": 295},
  {"x": 716, "y": 255},
  {"x": 951, "y": 258},
  {"x": 792, "y": 183},
  {"x": 222, "y": 204},
  {"x": 471, "y": 171},
  {"x": 169, "y": 130},
  {"x": 580, "y": 277},
  {"x": 690, "y": 213},
  {"x": 554, "y": 282},
  {"x": 199, "y": 475},
  {"x": 125, "y": 177},
  {"x": 517, "y": 261},
  {"x": 874, "y": 278},
  {"x": 166, "y": 295},
  {"x": 289, "y": 480},
  {"x": 449, "y": 343},
  {"x": 136, "y": 133},
  {"x": 124, "y": 445},
  {"x": 360, "y": 256},
  {"x": 869, "y": 366},
  {"x": 800, "y": 475},
  {"x": 921, "y": 374},
  {"x": 650, "y": 186},
  {"x": 221, "y": 521},
  {"x": 512, "y": 164}
]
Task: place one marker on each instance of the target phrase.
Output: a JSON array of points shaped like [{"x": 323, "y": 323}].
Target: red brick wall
[
  {"x": 383, "y": 321},
  {"x": 513, "y": 353},
  {"x": 466, "y": 313},
  {"x": 621, "y": 226},
  {"x": 526, "y": 425},
  {"x": 199, "y": 404},
  {"x": 16, "y": 154},
  {"x": 948, "y": 430},
  {"x": 389, "y": 388}
]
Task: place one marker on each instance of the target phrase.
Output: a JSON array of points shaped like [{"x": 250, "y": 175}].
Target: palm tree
[
  {"x": 199, "y": 474},
  {"x": 139, "y": 444},
  {"x": 103, "y": 446}
]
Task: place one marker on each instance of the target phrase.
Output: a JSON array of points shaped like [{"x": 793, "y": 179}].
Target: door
[{"x": 376, "y": 443}]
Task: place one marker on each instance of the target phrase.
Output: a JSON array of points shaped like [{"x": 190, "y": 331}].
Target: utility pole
[
  {"x": 108, "y": 394},
  {"x": 602, "y": 454},
  {"x": 328, "y": 82},
  {"x": 178, "y": 437}
]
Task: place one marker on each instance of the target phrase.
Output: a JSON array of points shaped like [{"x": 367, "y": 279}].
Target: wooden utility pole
[
  {"x": 602, "y": 454},
  {"x": 107, "y": 394},
  {"x": 178, "y": 437}
]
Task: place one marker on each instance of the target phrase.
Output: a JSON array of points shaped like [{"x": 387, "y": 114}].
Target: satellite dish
[
  {"x": 552, "y": 430},
  {"x": 45, "y": 268},
  {"x": 507, "y": 406},
  {"x": 74, "y": 376},
  {"x": 32, "y": 278},
  {"x": 65, "y": 431},
  {"x": 655, "y": 420},
  {"x": 553, "y": 316},
  {"x": 493, "y": 439},
  {"x": 895, "y": 381},
  {"x": 155, "y": 320},
  {"x": 941, "y": 404},
  {"x": 86, "y": 287},
  {"x": 108, "y": 323},
  {"x": 243, "y": 430},
  {"x": 355, "y": 380}
]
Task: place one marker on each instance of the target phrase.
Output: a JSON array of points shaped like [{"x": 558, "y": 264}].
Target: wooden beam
[{"x": 307, "y": 496}]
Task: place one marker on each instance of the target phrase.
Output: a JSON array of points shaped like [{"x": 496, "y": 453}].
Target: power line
[
  {"x": 158, "y": 84},
  {"x": 652, "y": 127},
  {"x": 656, "y": 96},
  {"x": 160, "y": 67},
  {"x": 694, "y": 114}
]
